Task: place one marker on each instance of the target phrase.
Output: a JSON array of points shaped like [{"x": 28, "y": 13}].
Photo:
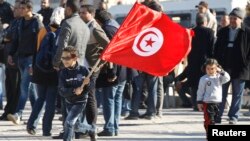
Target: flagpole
[{"x": 95, "y": 68}]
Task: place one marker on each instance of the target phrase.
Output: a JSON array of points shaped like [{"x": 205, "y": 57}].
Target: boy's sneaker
[
  {"x": 31, "y": 131},
  {"x": 14, "y": 118}
]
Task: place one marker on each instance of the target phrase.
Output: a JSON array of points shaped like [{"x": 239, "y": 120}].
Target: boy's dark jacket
[{"x": 70, "y": 79}]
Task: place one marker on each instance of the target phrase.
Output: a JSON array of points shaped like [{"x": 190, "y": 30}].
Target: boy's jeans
[{"x": 74, "y": 111}]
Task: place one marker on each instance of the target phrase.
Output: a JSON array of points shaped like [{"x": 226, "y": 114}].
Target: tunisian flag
[{"x": 148, "y": 41}]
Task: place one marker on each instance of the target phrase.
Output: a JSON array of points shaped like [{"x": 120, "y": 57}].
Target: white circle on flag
[{"x": 148, "y": 42}]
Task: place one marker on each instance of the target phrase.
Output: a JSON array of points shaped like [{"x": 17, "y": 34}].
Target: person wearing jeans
[
  {"x": 112, "y": 106},
  {"x": 12, "y": 81},
  {"x": 74, "y": 111},
  {"x": 46, "y": 80},
  {"x": 24, "y": 45},
  {"x": 46, "y": 94},
  {"x": 24, "y": 65},
  {"x": 160, "y": 97},
  {"x": 2, "y": 84},
  {"x": 74, "y": 87},
  {"x": 237, "y": 93},
  {"x": 112, "y": 84},
  {"x": 152, "y": 83},
  {"x": 232, "y": 52}
]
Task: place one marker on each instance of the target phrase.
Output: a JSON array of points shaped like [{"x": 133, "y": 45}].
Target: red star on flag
[{"x": 149, "y": 42}]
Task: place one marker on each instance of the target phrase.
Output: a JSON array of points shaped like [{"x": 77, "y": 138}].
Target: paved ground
[{"x": 176, "y": 125}]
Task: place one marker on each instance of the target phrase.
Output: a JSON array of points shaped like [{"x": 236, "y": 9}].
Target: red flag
[{"x": 149, "y": 41}]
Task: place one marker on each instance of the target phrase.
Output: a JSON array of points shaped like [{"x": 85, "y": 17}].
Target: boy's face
[
  {"x": 211, "y": 70},
  {"x": 68, "y": 60}
]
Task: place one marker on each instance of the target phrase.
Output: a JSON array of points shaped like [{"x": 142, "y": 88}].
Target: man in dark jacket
[
  {"x": 97, "y": 42},
  {"x": 202, "y": 48},
  {"x": 46, "y": 80},
  {"x": 12, "y": 73},
  {"x": 232, "y": 50},
  {"x": 247, "y": 24},
  {"x": 45, "y": 11},
  {"x": 154, "y": 85},
  {"x": 25, "y": 46},
  {"x": 112, "y": 82},
  {"x": 6, "y": 15}
]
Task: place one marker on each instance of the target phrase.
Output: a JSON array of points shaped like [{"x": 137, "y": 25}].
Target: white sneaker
[
  {"x": 15, "y": 119},
  {"x": 247, "y": 114}
]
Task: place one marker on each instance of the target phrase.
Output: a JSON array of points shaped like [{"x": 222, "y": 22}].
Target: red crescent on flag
[{"x": 142, "y": 37}]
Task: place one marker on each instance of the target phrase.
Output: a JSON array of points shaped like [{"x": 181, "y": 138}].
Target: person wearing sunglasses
[{"x": 71, "y": 79}]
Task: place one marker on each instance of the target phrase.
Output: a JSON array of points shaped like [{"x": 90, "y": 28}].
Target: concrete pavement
[{"x": 176, "y": 125}]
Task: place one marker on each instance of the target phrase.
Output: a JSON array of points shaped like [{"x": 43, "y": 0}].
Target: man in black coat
[
  {"x": 202, "y": 48},
  {"x": 46, "y": 11},
  {"x": 247, "y": 24},
  {"x": 111, "y": 80},
  {"x": 232, "y": 52}
]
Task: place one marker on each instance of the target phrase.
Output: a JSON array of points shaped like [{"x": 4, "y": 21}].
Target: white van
[{"x": 183, "y": 11}]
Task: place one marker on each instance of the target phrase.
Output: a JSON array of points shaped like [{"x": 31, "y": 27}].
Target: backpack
[{"x": 47, "y": 51}]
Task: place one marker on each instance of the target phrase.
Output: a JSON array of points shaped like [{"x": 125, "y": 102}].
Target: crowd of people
[{"x": 52, "y": 57}]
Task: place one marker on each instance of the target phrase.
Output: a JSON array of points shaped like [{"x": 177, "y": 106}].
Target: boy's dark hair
[
  {"x": 28, "y": 3},
  {"x": 90, "y": 8},
  {"x": 73, "y": 5},
  {"x": 72, "y": 50},
  {"x": 210, "y": 61}
]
